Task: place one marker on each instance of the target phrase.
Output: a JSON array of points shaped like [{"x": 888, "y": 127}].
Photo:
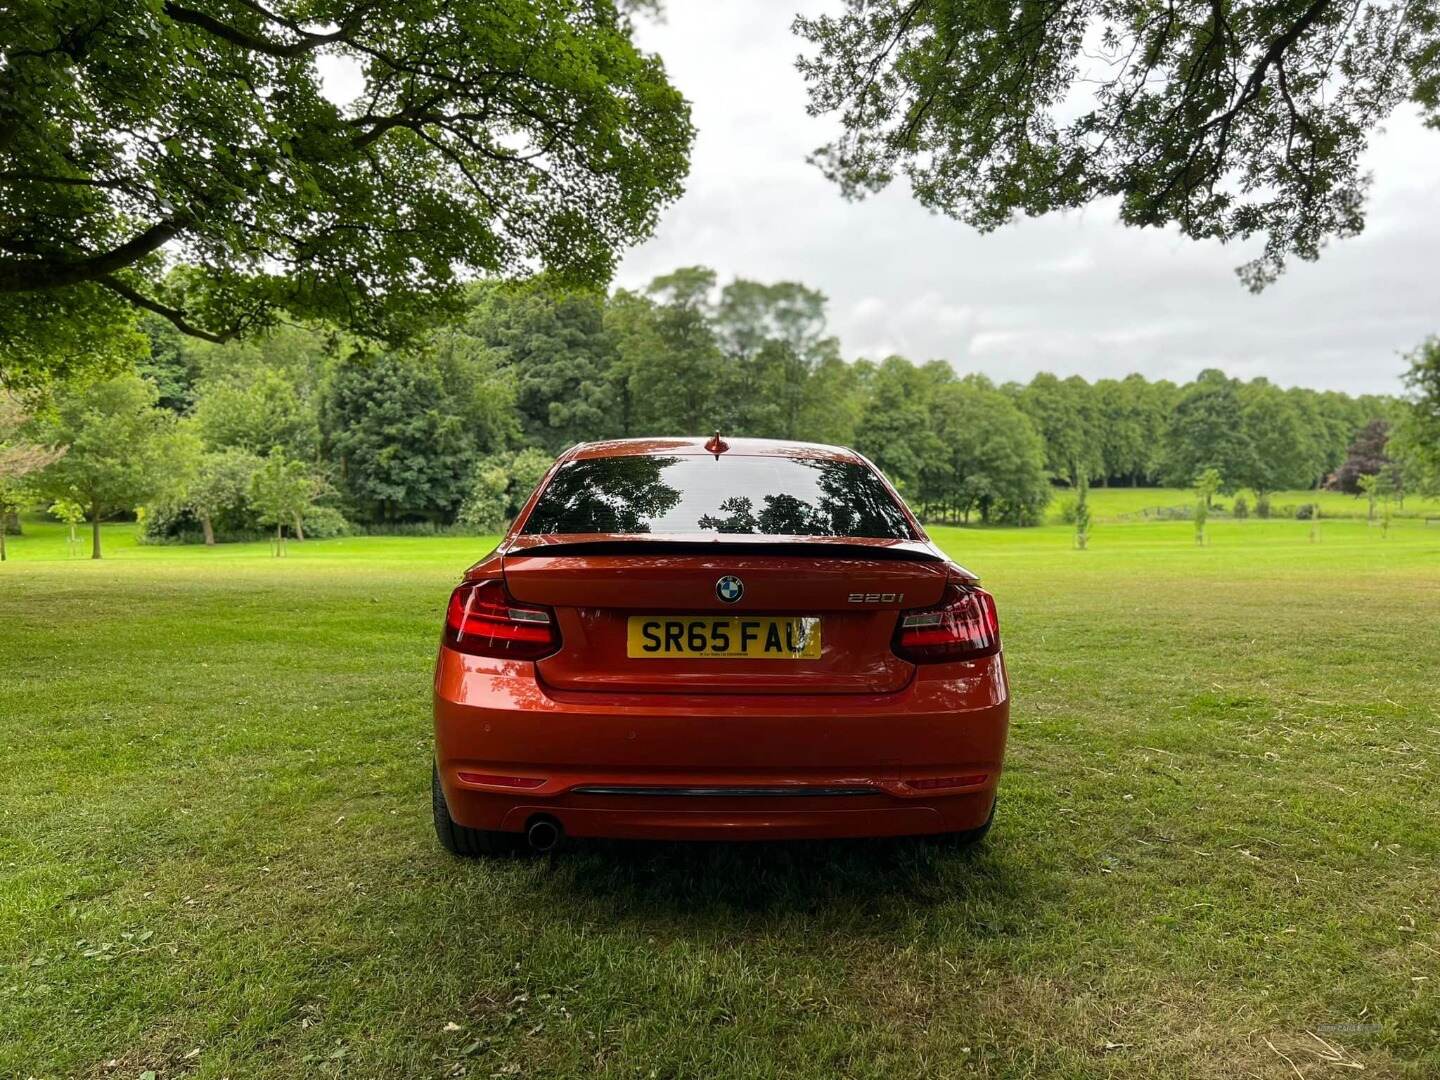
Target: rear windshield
[{"x": 772, "y": 496}]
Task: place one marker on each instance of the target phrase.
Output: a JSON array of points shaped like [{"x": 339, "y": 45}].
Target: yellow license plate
[{"x": 660, "y": 637}]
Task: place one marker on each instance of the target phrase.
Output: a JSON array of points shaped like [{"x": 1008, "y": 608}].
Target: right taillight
[
  {"x": 963, "y": 626},
  {"x": 483, "y": 619}
]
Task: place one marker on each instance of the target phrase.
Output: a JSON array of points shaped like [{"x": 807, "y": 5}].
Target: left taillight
[
  {"x": 484, "y": 620},
  {"x": 963, "y": 626}
]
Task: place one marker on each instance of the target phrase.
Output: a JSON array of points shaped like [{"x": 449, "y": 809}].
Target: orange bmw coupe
[{"x": 711, "y": 640}]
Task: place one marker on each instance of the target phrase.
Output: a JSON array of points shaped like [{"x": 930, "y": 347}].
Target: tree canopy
[
  {"x": 458, "y": 425},
  {"x": 491, "y": 135},
  {"x": 1226, "y": 118},
  {"x": 123, "y": 451},
  {"x": 1418, "y": 436}
]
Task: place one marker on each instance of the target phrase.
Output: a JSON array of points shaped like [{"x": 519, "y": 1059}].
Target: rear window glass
[{"x": 772, "y": 496}]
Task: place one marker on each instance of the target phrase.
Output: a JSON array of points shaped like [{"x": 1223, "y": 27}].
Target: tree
[
  {"x": 72, "y": 514},
  {"x": 1385, "y": 488},
  {"x": 834, "y": 400},
  {"x": 491, "y": 135},
  {"x": 774, "y": 339},
  {"x": 170, "y": 363},
  {"x": 1369, "y": 486},
  {"x": 500, "y": 486},
  {"x": 1207, "y": 431},
  {"x": 674, "y": 368},
  {"x": 124, "y": 450},
  {"x": 1226, "y": 119},
  {"x": 1125, "y": 446},
  {"x": 222, "y": 484},
  {"x": 281, "y": 490},
  {"x": 1419, "y": 436},
  {"x": 752, "y": 313},
  {"x": 552, "y": 342},
  {"x": 1206, "y": 485},
  {"x": 254, "y": 409},
  {"x": 527, "y": 468},
  {"x": 486, "y": 506},
  {"x": 19, "y": 459},
  {"x": 403, "y": 431},
  {"x": 1366, "y": 455},
  {"x": 994, "y": 459},
  {"x": 1068, "y": 417},
  {"x": 1277, "y": 451},
  {"x": 894, "y": 430}
]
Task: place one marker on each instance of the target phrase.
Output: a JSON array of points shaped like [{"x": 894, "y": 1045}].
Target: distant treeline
[{"x": 459, "y": 425}]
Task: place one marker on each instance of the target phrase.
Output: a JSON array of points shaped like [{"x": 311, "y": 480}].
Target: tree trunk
[
  {"x": 94, "y": 532},
  {"x": 299, "y": 528},
  {"x": 208, "y": 529},
  {"x": 279, "y": 540},
  {"x": 2, "y": 538}
]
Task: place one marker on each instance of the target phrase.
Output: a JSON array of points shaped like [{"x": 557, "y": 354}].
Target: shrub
[
  {"x": 1262, "y": 506},
  {"x": 1305, "y": 511},
  {"x": 416, "y": 528},
  {"x": 1068, "y": 507},
  {"x": 526, "y": 470},
  {"x": 1242, "y": 507},
  {"x": 179, "y": 525},
  {"x": 325, "y": 523},
  {"x": 486, "y": 507}
]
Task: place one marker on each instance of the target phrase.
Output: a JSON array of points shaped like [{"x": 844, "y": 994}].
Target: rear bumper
[{"x": 669, "y": 766}]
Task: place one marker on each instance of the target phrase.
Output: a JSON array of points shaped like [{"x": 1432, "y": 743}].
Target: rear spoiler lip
[{"x": 861, "y": 548}]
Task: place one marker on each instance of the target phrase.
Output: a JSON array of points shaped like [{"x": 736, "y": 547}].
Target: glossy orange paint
[{"x": 819, "y": 748}]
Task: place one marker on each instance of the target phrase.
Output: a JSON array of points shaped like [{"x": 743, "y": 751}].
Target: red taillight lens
[
  {"x": 483, "y": 620},
  {"x": 963, "y": 626}
]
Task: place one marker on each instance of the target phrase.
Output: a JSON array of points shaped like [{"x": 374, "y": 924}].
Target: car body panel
[
  {"x": 720, "y": 748},
  {"x": 495, "y": 716},
  {"x": 855, "y": 600}
]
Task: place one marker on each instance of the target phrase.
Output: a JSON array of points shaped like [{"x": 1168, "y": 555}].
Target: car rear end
[{"x": 746, "y": 644}]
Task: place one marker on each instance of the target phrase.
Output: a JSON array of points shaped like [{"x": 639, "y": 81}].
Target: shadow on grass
[{"x": 864, "y": 886}]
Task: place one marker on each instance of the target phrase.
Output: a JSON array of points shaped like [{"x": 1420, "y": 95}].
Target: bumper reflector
[
  {"x": 500, "y": 781},
  {"x": 938, "y": 782}
]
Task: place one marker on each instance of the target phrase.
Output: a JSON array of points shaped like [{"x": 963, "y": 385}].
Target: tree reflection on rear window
[{"x": 678, "y": 495}]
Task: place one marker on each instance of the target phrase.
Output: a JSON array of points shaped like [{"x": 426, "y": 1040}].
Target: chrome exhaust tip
[{"x": 544, "y": 834}]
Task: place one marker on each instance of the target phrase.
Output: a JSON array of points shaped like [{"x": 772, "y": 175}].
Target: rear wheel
[{"x": 460, "y": 840}]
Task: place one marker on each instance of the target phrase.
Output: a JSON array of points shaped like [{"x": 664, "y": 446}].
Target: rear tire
[
  {"x": 970, "y": 837},
  {"x": 460, "y": 840}
]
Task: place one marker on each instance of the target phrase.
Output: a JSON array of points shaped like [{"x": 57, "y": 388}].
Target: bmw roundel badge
[{"x": 729, "y": 589}]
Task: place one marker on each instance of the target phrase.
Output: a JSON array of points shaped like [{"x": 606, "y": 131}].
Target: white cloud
[{"x": 1076, "y": 293}]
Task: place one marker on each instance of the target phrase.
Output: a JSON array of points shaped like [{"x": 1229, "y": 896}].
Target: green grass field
[
  {"x": 1217, "y": 853},
  {"x": 1116, "y": 504}
]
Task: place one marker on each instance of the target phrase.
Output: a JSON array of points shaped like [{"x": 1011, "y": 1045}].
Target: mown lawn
[
  {"x": 1217, "y": 855},
  {"x": 1124, "y": 503}
]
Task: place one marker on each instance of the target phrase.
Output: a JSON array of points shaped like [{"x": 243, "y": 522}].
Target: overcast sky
[{"x": 1072, "y": 294}]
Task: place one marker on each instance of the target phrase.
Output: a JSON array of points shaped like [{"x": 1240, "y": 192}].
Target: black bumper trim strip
[{"x": 789, "y": 791}]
